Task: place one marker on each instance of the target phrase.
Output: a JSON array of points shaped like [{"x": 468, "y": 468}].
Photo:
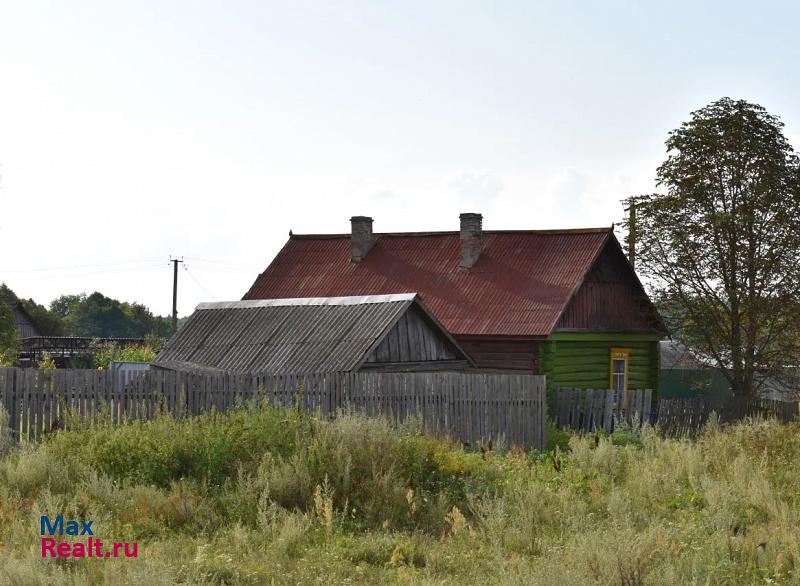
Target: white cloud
[{"x": 476, "y": 187}]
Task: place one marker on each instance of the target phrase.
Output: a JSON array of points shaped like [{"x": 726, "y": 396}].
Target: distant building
[
  {"x": 683, "y": 375},
  {"x": 26, "y": 327}
]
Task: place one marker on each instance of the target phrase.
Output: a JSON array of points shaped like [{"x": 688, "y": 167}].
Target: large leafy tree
[{"x": 721, "y": 246}]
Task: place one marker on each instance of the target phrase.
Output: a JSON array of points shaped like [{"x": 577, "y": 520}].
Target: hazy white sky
[{"x": 132, "y": 131}]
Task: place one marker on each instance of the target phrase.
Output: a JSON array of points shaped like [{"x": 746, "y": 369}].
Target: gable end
[
  {"x": 413, "y": 339},
  {"x": 611, "y": 299}
]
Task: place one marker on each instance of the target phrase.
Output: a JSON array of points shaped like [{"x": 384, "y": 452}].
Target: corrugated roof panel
[
  {"x": 519, "y": 286},
  {"x": 302, "y": 337}
]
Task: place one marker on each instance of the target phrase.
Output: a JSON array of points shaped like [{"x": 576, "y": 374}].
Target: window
[{"x": 618, "y": 379}]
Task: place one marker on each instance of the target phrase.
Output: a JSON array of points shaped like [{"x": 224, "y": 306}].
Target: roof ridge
[
  {"x": 298, "y": 301},
  {"x": 554, "y": 231}
]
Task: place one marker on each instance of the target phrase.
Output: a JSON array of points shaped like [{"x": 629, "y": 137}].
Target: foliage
[
  {"x": 208, "y": 448},
  {"x": 721, "y": 245},
  {"x": 47, "y": 322},
  {"x": 105, "y": 352},
  {"x": 99, "y": 316},
  {"x": 8, "y": 357},
  {"x": 9, "y": 341},
  {"x": 263, "y": 495},
  {"x": 46, "y": 361}
]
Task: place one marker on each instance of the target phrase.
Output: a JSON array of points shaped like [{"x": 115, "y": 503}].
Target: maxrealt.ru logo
[{"x": 92, "y": 547}]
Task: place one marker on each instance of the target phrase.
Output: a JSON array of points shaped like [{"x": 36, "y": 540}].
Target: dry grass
[{"x": 301, "y": 500}]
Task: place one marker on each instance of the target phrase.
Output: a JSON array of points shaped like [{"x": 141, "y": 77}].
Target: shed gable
[{"x": 413, "y": 339}]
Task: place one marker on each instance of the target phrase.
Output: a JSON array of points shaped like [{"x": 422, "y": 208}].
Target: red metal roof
[{"x": 519, "y": 286}]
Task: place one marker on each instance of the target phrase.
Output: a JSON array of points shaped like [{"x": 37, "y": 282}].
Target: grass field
[{"x": 261, "y": 496}]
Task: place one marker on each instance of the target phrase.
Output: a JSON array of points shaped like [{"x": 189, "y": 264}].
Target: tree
[
  {"x": 99, "y": 316},
  {"x": 47, "y": 322},
  {"x": 9, "y": 341},
  {"x": 722, "y": 245},
  {"x": 8, "y": 327}
]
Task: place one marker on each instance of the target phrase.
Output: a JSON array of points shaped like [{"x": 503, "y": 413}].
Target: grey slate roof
[{"x": 321, "y": 334}]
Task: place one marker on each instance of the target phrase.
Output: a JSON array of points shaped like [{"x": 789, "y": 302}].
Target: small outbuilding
[{"x": 394, "y": 333}]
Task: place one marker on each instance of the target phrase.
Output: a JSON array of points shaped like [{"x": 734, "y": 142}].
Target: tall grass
[{"x": 262, "y": 495}]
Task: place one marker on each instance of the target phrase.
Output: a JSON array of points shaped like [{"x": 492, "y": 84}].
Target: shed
[{"x": 319, "y": 334}]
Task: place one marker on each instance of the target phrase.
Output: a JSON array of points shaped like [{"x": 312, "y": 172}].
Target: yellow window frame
[{"x": 617, "y": 354}]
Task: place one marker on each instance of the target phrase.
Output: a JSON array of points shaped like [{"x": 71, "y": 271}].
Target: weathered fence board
[
  {"x": 678, "y": 417},
  {"x": 469, "y": 407},
  {"x": 591, "y": 410}
]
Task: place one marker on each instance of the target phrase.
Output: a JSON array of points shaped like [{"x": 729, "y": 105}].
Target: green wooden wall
[{"x": 582, "y": 361}]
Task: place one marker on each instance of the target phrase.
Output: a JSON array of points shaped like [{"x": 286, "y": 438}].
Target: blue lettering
[{"x": 56, "y": 527}]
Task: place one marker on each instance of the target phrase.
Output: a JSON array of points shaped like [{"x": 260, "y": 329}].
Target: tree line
[{"x": 85, "y": 315}]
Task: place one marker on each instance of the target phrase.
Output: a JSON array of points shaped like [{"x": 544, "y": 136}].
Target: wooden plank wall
[
  {"x": 469, "y": 407},
  {"x": 412, "y": 339},
  {"x": 521, "y": 355}
]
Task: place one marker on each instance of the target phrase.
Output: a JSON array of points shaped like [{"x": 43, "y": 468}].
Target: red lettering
[
  {"x": 48, "y": 544},
  {"x": 63, "y": 549},
  {"x": 135, "y": 550}
]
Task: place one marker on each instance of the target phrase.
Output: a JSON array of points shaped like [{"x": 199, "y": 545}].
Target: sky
[{"x": 132, "y": 131}]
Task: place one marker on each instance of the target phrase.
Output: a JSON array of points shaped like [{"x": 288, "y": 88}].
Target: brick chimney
[
  {"x": 361, "y": 238},
  {"x": 471, "y": 233}
]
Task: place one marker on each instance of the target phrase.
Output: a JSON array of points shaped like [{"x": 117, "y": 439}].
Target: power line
[
  {"x": 213, "y": 261},
  {"x": 140, "y": 269},
  {"x": 199, "y": 284},
  {"x": 116, "y": 264}
]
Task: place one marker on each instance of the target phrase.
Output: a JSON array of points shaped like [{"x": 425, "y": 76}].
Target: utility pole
[
  {"x": 631, "y": 209},
  {"x": 175, "y": 262}
]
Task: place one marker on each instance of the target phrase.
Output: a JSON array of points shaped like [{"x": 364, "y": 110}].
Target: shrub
[{"x": 208, "y": 447}]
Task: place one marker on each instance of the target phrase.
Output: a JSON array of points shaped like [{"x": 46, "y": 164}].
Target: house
[
  {"x": 320, "y": 334},
  {"x": 565, "y": 303}
]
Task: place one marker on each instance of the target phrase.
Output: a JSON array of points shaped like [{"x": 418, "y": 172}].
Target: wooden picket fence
[
  {"x": 590, "y": 410},
  {"x": 685, "y": 417},
  {"x": 469, "y": 407}
]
